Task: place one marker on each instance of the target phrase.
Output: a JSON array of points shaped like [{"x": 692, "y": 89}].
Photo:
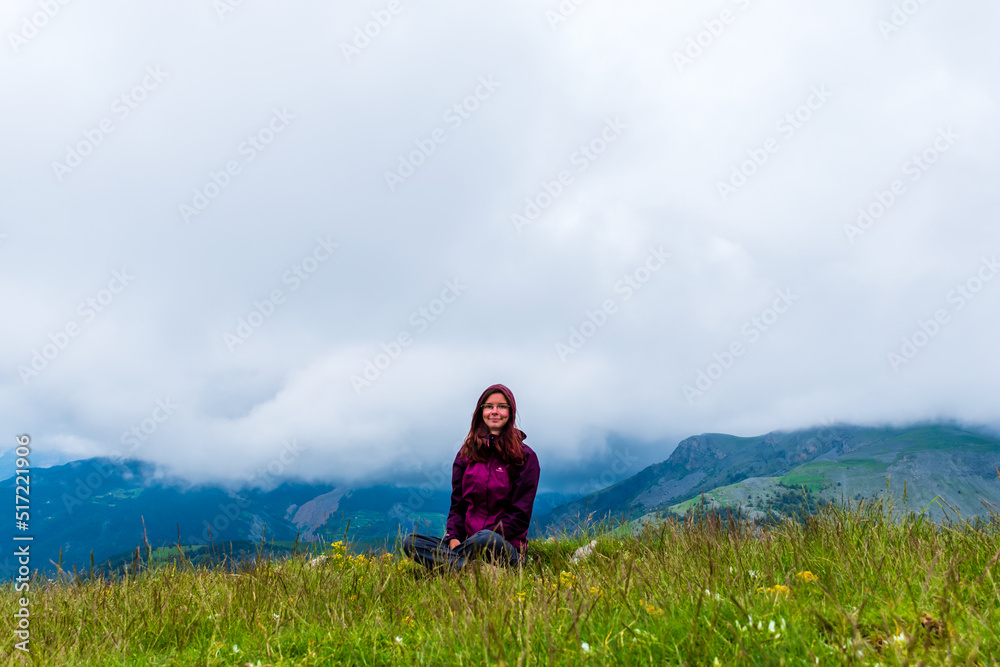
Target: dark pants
[{"x": 433, "y": 552}]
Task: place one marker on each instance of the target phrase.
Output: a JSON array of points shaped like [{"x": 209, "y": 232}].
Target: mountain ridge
[
  {"x": 110, "y": 506},
  {"x": 709, "y": 461}
]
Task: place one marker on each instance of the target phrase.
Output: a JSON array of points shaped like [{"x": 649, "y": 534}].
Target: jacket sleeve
[
  {"x": 455, "y": 528},
  {"x": 518, "y": 517}
]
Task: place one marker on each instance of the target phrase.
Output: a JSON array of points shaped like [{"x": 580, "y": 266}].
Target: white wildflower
[
  {"x": 236, "y": 649},
  {"x": 399, "y": 640},
  {"x": 585, "y": 646}
]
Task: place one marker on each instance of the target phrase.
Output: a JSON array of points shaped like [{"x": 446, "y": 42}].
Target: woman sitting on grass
[{"x": 494, "y": 480}]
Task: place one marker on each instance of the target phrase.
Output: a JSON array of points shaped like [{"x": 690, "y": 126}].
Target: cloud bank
[{"x": 233, "y": 226}]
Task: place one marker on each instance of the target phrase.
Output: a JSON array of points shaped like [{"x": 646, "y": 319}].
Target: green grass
[
  {"x": 938, "y": 438},
  {"x": 695, "y": 502},
  {"x": 811, "y": 475},
  {"x": 688, "y": 504},
  {"x": 724, "y": 495},
  {"x": 864, "y": 465},
  {"x": 815, "y": 475},
  {"x": 888, "y": 589}
]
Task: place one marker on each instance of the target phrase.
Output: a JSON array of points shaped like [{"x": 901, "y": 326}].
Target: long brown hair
[{"x": 509, "y": 444}]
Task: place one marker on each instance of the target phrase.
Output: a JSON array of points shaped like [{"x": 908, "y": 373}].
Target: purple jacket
[{"x": 492, "y": 495}]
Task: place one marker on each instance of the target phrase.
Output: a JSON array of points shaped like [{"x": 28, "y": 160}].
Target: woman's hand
[{"x": 454, "y": 543}]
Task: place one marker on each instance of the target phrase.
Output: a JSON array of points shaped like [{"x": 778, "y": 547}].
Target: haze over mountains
[{"x": 103, "y": 506}]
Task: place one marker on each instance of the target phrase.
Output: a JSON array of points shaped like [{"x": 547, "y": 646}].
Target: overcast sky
[{"x": 649, "y": 219}]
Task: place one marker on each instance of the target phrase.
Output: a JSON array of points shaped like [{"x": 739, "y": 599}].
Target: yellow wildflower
[
  {"x": 651, "y": 609},
  {"x": 776, "y": 589},
  {"x": 806, "y": 577}
]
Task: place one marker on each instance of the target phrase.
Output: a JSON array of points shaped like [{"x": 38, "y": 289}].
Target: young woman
[{"x": 494, "y": 480}]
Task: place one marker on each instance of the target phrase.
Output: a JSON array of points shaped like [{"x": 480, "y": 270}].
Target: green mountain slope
[
  {"x": 104, "y": 506},
  {"x": 937, "y": 461},
  {"x": 940, "y": 469}
]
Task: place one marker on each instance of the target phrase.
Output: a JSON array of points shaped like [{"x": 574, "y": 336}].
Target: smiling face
[{"x": 496, "y": 411}]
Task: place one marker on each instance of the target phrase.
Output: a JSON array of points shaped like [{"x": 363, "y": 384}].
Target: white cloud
[{"x": 657, "y": 184}]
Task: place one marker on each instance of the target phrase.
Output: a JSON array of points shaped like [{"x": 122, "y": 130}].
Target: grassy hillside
[
  {"x": 941, "y": 465},
  {"x": 852, "y": 586},
  {"x": 926, "y": 469}
]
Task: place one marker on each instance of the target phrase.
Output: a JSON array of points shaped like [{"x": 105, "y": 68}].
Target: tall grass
[{"x": 856, "y": 584}]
